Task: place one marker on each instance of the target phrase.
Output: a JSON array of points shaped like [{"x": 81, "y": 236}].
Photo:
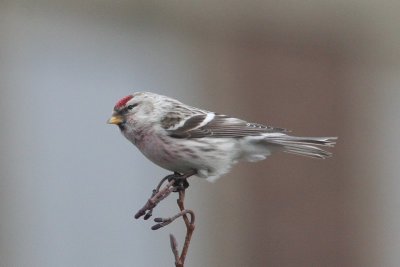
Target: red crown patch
[{"x": 123, "y": 101}]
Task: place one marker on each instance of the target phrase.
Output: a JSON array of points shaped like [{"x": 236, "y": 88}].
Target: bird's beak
[{"x": 115, "y": 119}]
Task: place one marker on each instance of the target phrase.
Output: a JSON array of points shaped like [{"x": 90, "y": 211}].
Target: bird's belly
[
  {"x": 166, "y": 155},
  {"x": 180, "y": 155}
]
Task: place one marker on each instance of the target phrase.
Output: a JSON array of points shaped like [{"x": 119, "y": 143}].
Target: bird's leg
[
  {"x": 180, "y": 183},
  {"x": 180, "y": 180}
]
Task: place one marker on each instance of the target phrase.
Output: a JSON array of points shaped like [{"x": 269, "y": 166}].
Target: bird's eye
[{"x": 131, "y": 106}]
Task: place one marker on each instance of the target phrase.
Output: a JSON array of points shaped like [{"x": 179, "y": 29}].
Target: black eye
[{"x": 131, "y": 106}]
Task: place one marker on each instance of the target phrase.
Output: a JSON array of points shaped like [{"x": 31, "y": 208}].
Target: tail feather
[{"x": 304, "y": 146}]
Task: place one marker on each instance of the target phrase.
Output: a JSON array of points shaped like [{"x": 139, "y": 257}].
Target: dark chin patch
[{"x": 122, "y": 126}]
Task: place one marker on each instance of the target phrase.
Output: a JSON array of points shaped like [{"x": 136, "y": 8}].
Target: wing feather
[{"x": 220, "y": 126}]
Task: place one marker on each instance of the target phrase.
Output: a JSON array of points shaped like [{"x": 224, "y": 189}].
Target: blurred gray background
[{"x": 70, "y": 183}]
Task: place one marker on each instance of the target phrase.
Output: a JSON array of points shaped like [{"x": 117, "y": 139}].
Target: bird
[{"x": 191, "y": 141}]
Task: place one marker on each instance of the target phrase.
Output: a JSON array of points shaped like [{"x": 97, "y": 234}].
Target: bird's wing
[{"x": 216, "y": 126}]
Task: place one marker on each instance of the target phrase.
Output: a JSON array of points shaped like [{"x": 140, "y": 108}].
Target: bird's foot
[{"x": 180, "y": 182}]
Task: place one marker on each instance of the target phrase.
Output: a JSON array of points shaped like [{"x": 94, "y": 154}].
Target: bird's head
[{"x": 136, "y": 111}]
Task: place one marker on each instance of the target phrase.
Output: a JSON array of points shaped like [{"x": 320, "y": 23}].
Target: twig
[
  {"x": 189, "y": 226},
  {"x": 174, "y": 247},
  {"x": 155, "y": 191},
  {"x": 161, "y": 222},
  {"x": 154, "y": 200},
  {"x": 177, "y": 183}
]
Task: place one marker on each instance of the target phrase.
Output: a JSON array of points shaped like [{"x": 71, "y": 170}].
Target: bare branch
[
  {"x": 174, "y": 247},
  {"x": 165, "y": 221},
  {"x": 154, "y": 200},
  {"x": 176, "y": 183},
  {"x": 189, "y": 225}
]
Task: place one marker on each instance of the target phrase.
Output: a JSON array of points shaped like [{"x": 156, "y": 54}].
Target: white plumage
[{"x": 181, "y": 138}]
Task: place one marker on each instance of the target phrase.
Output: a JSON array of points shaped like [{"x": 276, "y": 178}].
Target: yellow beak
[{"x": 115, "y": 119}]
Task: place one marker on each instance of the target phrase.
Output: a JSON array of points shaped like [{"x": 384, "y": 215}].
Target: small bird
[{"x": 188, "y": 140}]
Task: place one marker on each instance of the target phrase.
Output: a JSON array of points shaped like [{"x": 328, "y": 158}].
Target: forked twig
[
  {"x": 189, "y": 226},
  {"x": 177, "y": 183},
  {"x": 155, "y": 198}
]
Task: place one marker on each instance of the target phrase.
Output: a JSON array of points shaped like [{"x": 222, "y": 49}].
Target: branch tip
[{"x": 157, "y": 196}]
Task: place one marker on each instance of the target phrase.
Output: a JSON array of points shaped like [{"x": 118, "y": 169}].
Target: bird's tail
[{"x": 304, "y": 146}]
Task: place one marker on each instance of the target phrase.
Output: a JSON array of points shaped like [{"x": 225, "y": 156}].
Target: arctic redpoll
[{"x": 185, "y": 139}]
